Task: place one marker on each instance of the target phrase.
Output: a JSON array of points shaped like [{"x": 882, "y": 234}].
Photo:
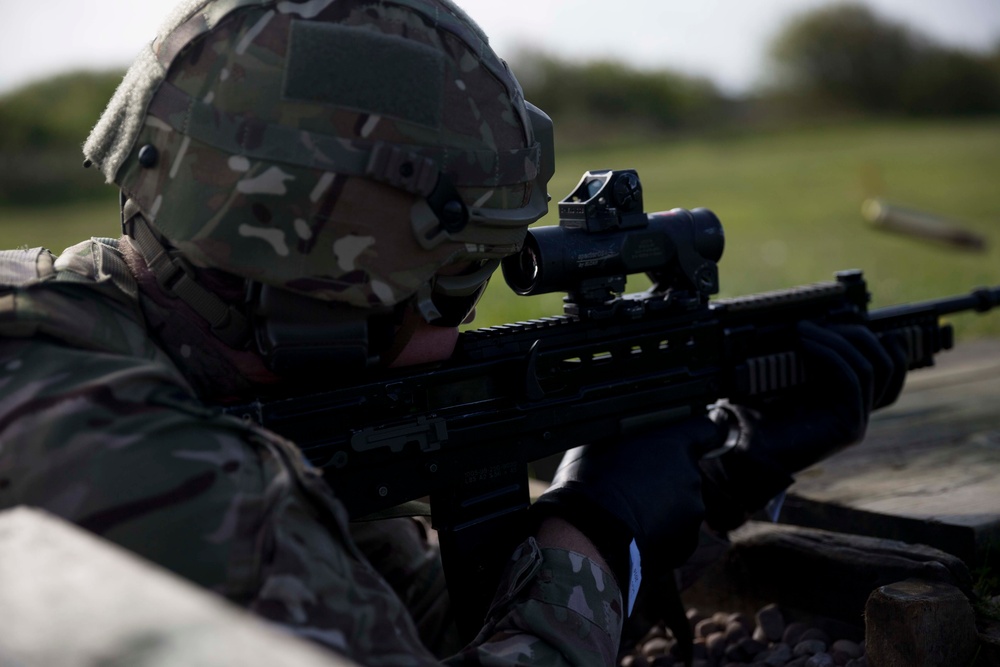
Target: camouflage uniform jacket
[{"x": 99, "y": 425}]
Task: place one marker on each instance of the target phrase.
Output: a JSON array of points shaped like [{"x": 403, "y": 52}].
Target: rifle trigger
[{"x": 532, "y": 387}]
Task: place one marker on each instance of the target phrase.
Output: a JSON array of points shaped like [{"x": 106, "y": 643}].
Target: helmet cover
[{"x": 302, "y": 144}]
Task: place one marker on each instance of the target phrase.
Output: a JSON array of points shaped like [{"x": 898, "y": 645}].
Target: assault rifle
[{"x": 464, "y": 431}]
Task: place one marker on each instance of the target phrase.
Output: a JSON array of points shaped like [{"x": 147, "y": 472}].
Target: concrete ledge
[
  {"x": 928, "y": 471},
  {"x": 69, "y": 599}
]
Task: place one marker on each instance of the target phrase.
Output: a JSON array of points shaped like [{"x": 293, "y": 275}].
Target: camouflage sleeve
[
  {"x": 118, "y": 445},
  {"x": 553, "y": 607}
]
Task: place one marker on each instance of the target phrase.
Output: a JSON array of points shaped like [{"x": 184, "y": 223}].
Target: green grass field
[{"x": 790, "y": 203}]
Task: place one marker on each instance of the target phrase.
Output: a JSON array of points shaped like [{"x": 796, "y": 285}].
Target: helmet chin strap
[{"x": 175, "y": 276}]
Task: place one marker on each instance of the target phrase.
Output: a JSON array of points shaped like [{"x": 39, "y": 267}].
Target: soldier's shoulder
[
  {"x": 23, "y": 266},
  {"x": 86, "y": 297}
]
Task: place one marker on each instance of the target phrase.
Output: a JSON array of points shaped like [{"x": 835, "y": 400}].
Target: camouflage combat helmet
[{"x": 344, "y": 150}]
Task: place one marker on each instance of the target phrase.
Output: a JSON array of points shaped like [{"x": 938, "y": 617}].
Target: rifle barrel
[{"x": 979, "y": 300}]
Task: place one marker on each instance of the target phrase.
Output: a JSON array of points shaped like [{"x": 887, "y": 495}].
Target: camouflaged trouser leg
[{"x": 406, "y": 555}]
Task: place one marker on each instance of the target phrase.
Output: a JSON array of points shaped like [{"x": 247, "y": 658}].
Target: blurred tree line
[
  {"x": 840, "y": 60},
  {"x": 604, "y": 101},
  {"x": 847, "y": 57},
  {"x": 42, "y": 128}
]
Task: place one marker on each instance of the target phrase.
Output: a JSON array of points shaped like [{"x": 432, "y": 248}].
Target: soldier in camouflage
[
  {"x": 315, "y": 188},
  {"x": 370, "y": 161}
]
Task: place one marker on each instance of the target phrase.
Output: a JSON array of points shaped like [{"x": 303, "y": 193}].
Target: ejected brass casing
[{"x": 893, "y": 218}]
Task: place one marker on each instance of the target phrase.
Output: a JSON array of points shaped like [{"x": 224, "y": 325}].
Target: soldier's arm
[{"x": 118, "y": 446}]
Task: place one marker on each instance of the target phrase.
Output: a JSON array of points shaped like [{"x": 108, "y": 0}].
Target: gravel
[{"x": 734, "y": 640}]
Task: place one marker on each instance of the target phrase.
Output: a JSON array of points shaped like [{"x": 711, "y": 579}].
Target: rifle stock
[{"x": 463, "y": 432}]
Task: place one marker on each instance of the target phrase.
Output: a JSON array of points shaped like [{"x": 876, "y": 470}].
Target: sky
[{"x": 724, "y": 40}]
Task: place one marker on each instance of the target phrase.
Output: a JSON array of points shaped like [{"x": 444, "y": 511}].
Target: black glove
[
  {"x": 646, "y": 488},
  {"x": 848, "y": 373}
]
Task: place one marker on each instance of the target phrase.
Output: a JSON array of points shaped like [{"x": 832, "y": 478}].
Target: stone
[
  {"x": 744, "y": 620},
  {"x": 735, "y": 631},
  {"x": 734, "y": 653},
  {"x": 771, "y": 622},
  {"x": 815, "y": 633},
  {"x": 700, "y": 650},
  {"x": 750, "y": 646},
  {"x": 776, "y": 656},
  {"x": 707, "y": 626},
  {"x": 716, "y": 645},
  {"x": 809, "y": 647},
  {"x": 793, "y": 632},
  {"x": 840, "y": 658},
  {"x": 721, "y": 617},
  {"x": 823, "y": 660},
  {"x": 989, "y": 641},
  {"x": 694, "y": 617},
  {"x": 852, "y": 649},
  {"x": 656, "y": 646}
]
